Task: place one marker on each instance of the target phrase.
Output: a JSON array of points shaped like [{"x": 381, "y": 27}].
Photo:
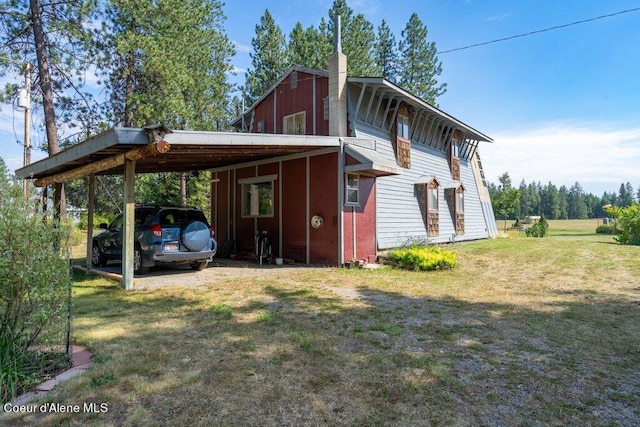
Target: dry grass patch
[{"x": 523, "y": 331}]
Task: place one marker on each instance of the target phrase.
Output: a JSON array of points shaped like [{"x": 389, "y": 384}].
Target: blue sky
[{"x": 561, "y": 106}]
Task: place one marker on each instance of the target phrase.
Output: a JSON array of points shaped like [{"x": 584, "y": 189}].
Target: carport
[{"x": 127, "y": 151}]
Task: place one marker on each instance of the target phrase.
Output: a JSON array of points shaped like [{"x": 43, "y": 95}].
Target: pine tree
[
  {"x": 52, "y": 37},
  {"x": 152, "y": 81},
  {"x": 386, "y": 54},
  {"x": 302, "y": 48},
  {"x": 626, "y": 195},
  {"x": 268, "y": 59},
  {"x": 419, "y": 65},
  {"x": 358, "y": 39}
]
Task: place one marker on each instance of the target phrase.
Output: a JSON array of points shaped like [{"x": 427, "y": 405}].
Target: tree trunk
[
  {"x": 128, "y": 92},
  {"x": 44, "y": 74},
  {"x": 183, "y": 189}
]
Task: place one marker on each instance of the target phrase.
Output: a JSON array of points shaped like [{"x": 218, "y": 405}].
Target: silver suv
[{"x": 163, "y": 235}]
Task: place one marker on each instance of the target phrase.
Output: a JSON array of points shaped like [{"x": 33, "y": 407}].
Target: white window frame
[
  {"x": 298, "y": 120},
  {"x": 352, "y": 189},
  {"x": 433, "y": 194},
  {"x": 459, "y": 201},
  {"x": 402, "y": 127},
  {"x": 256, "y": 181}
]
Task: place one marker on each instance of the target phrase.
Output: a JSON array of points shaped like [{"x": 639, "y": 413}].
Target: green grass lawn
[{"x": 524, "y": 331}]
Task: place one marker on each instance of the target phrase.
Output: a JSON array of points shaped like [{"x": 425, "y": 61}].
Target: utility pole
[{"x": 26, "y": 70}]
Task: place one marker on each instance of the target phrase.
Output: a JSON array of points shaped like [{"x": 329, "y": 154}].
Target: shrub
[
  {"x": 628, "y": 224},
  {"x": 607, "y": 229},
  {"x": 35, "y": 281},
  {"x": 539, "y": 229},
  {"x": 423, "y": 258}
]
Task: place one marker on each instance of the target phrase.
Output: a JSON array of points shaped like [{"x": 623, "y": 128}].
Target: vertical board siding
[{"x": 399, "y": 215}]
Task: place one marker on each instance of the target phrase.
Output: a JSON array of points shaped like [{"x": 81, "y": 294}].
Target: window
[
  {"x": 403, "y": 126},
  {"x": 294, "y": 124},
  {"x": 455, "y": 148},
  {"x": 352, "y": 188},
  {"x": 459, "y": 217},
  {"x": 433, "y": 199},
  {"x": 460, "y": 202},
  {"x": 257, "y": 196},
  {"x": 433, "y": 214}
]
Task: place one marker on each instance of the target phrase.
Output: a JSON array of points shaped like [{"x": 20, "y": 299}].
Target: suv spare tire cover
[{"x": 196, "y": 235}]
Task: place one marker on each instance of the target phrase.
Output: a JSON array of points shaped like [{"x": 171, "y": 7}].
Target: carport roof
[{"x": 190, "y": 151}]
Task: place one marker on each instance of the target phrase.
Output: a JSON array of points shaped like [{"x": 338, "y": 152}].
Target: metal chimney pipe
[{"x": 337, "y": 37}]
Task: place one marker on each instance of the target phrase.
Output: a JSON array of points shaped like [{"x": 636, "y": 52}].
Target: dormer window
[
  {"x": 403, "y": 143},
  {"x": 403, "y": 126},
  {"x": 454, "y": 154},
  {"x": 433, "y": 209},
  {"x": 459, "y": 208}
]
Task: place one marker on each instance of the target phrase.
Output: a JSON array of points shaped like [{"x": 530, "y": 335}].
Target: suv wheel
[
  {"x": 97, "y": 257},
  {"x": 138, "y": 268},
  {"x": 198, "y": 265}
]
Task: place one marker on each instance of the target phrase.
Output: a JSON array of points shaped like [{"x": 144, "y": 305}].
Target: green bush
[
  {"x": 607, "y": 229},
  {"x": 628, "y": 224},
  {"x": 35, "y": 280},
  {"x": 423, "y": 258},
  {"x": 539, "y": 229}
]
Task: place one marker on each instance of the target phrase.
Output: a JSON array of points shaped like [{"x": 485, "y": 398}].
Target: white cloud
[
  {"x": 242, "y": 47},
  {"x": 600, "y": 157},
  {"x": 498, "y": 17}
]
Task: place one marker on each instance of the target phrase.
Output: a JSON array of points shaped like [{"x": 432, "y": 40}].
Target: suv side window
[
  {"x": 117, "y": 222},
  {"x": 143, "y": 216}
]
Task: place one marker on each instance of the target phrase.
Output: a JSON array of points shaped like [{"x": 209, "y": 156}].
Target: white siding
[{"x": 399, "y": 213}]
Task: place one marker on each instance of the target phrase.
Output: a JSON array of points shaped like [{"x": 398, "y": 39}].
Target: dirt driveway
[{"x": 219, "y": 270}]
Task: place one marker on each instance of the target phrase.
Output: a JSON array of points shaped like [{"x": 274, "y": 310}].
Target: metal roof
[{"x": 189, "y": 151}]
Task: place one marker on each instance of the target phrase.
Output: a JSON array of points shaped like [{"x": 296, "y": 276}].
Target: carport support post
[
  {"x": 129, "y": 223},
  {"x": 90, "y": 209}
]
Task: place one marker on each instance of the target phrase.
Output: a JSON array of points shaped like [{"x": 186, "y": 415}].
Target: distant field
[{"x": 562, "y": 226}]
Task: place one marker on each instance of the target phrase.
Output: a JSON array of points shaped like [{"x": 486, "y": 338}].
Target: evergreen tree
[
  {"x": 576, "y": 207},
  {"x": 268, "y": 59},
  {"x": 152, "y": 81},
  {"x": 625, "y": 195},
  {"x": 550, "y": 201},
  {"x": 52, "y": 36},
  {"x": 419, "y": 65},
  {"x": 358, "y": 39},
  {"x": 385, "y": 53},
  {"x": 302, "y": 48},
  {"x": 563, "y": 203},
  {"x": 638, "y": 194}
]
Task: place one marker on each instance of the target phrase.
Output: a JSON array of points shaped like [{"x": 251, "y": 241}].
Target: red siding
[
  {"x": 365, "y": 223},
  {"x": 222, "y": 204},
  {"x": 294, "y": 100},
  {"x": 294, "y": 221},
  {"x": 324, "y": 197}
]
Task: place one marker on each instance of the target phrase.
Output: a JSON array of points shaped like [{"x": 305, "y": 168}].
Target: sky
[{"x": 561, "y": 105}]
